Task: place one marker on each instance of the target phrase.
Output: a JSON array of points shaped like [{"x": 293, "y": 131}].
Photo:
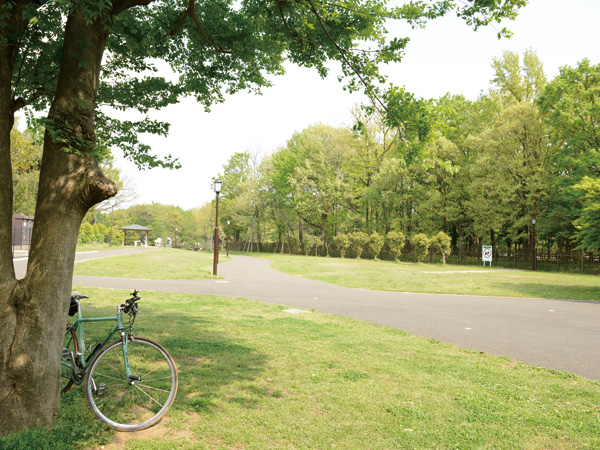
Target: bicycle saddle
[{"x": 77, "y": 296}]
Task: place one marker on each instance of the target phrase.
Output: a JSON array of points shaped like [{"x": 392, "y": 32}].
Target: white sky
[{"x": 446, "y": 56}]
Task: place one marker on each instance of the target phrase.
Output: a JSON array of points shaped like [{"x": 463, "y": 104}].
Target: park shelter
[
  {"x": 22, "y": 227},
  {"x": 137, "y": 228}
]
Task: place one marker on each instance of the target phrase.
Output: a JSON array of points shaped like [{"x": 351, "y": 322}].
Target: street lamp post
[
  {"x": 111, "y": 202},
  {"x": 228, "y": 222},
  {"x": 217, "y": 188},
  {"x": 175, "y": 237},
  {"x": 533, "y": 250}
]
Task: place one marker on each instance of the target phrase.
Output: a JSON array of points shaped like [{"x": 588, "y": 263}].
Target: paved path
[{"x": 558, "y": 334}]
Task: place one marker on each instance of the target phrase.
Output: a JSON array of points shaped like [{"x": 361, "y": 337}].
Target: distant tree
[
  {"x": 311, "y": 242},
  {"x": 442, "y": 243},
  {"x": 342, "y": 242},
  {"x": 118, "y": 237},
  {"x": 358, "y": 239},
  {"x": 420, "y": 245},
  {"x": 26, "y": 160},
  {"x": 375, "y": 244},
  {"x": 395, "y": 241},
  {"x": 588, "y": 223},
  {"x": 86, "y": 233},
  {"x": 512, "y": 155},
  {"x": 570, "y": 107}
]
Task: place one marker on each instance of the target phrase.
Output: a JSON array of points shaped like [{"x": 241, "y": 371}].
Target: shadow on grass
[{"x": 207, "y": 362}]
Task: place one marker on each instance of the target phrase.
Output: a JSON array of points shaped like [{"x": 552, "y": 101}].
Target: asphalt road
[{"x": 557, "y": 334}]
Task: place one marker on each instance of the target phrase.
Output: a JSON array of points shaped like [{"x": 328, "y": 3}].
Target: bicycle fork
[
  {"x": 126, "y": 338},
  {"x": 100, "y": 388}
]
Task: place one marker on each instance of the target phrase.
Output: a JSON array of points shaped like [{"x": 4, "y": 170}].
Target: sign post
[{"x": 487, "y": 254}]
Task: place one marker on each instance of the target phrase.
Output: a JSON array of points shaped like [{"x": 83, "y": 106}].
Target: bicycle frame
[{"x": 84, "y": 362}]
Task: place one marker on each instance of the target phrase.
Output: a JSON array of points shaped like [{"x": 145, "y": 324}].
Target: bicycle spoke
[
  {"x": 102, "y": 375},
  {"x": 119, "y": 369},
  {"x": 149, "y": 396},
  {"x": 166, "y": 391}
]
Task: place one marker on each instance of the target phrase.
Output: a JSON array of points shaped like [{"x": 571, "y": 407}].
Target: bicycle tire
[
  {"x": 70, "y": 347},
  {"x": 131, "y": 405}
]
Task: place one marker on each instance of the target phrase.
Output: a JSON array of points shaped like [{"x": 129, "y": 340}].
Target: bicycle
[{"x": 129, "y": 383}]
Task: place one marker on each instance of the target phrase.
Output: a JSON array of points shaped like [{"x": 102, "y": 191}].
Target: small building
[
  {"x": 136, "y": 228},
  {"x": 22, "y": 226}
]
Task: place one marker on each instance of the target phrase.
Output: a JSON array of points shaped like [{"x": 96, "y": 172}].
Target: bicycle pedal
[{"x": 101, "y": 388}]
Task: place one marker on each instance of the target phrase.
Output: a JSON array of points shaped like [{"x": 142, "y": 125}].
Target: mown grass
[
  {"x": 95, "y": 247},
  {"x": 254, "y": 376},
  {"x": 438, "y": 278},
  {"x": 150, "y": 264}
]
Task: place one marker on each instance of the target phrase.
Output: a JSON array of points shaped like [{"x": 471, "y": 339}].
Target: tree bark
[{"x": 34, "y": 309}]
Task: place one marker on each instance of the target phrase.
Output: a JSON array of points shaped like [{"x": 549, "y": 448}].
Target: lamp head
[{"x": 217, "y": 185}]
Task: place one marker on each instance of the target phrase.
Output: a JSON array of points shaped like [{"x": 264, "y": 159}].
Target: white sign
[{"x": 487, "y": 254}]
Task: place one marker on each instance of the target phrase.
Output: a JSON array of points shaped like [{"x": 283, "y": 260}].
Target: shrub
[
  {"x": 118, "y": 236},
  {"x": 358, "y": 239},
  {"x": 420, "y": 244},
  {"x": 86, "y": 233},
  {"x": 375, "y": 244},
  {"x": 104, "y": 233},
  {"x": 342, "y": 242},
  {"x": 442, "y": 243},
  {"x": 395, "y": 242}
]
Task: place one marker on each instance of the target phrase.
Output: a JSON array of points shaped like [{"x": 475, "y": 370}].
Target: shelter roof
[{"x": 135, "y": 228}]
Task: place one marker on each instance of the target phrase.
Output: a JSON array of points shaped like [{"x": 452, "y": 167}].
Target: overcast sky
[{"x": 446, "y": 56}]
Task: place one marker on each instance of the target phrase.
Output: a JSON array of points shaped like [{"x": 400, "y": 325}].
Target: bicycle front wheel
[{"x": 137, "y": 402}]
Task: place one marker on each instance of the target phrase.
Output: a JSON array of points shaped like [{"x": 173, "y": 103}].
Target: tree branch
[
  {"x": 285, "y": 24},
  {"x": 343, "y": 53},
  {"x": 192, "y": 14},
  {"x": 122, "y": 5}
]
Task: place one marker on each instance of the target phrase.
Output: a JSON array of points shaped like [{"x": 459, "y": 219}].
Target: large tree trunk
[{"x": 34, "y": 309}]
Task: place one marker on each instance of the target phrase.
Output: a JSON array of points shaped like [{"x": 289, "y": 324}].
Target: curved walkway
[{"x": 557, "y": 334}]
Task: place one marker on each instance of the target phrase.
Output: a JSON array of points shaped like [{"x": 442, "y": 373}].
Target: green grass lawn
[
  {"x": 171, "y": 264},
  {"x": 95, "y": 247},
  {"x": 255, "y": 377},
  {"x": 437, "y": 278}
]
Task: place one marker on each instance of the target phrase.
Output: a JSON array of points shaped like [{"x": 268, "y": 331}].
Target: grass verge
[
  {"x": 255, "y": 376},
  {"x": 171, "y": 264},
  {"x": 96, "y": 247},
  {"x": 437, "y": 278}
]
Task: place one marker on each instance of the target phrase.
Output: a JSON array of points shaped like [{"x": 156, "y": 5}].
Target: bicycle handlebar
[{"x": 130, "y": 306}]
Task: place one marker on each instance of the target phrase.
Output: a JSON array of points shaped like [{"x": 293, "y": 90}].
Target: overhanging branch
[
  {"x": 343, "y": 53},
  {"x": 191, "y": 13}
]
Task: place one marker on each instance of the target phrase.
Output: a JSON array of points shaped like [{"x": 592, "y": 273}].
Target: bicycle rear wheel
[
  {"x": 69, "y": 351},
  {"x": 131, "y": 404}
]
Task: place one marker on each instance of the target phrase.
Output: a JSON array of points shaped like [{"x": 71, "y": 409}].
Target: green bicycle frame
[{"x": 78, "y": 327}]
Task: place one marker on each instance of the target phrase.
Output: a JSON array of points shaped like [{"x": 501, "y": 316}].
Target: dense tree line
[
  {"x": 479, "y": 171},
  {"x": 456, "y": 175},
  {"x": 184, "y": 227}
]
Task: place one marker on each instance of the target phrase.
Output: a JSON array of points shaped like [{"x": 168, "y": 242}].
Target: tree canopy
[{"x": 485, "y": 169}]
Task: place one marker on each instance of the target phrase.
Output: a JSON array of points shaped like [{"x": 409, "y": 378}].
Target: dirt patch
[{"x": 161, "y": 431}]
